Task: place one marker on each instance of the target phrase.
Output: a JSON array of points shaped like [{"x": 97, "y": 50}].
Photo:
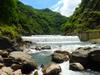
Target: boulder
[
  {"x": 94, "y": 60},
  {"x": 80, "y": 55},
  {"x": 3, "y": 73},
  {"x": 28, "y": 64},
  {"x": 60, "y": 56},
  {"x": 4, "y": 53},
  {"x": 8, "y": 44},
  {"x": 45, "y": 47},
  {"x": 8, "y": 61},
  {"x": 1, "y": 65},
  {"x": 36, "y": 73},
  {"x": 84, "y": 48},
  {"x": 52, "y": 69},
  {"x": 76, "y": 67},
  {"x": 27, "y": 67},
  {"x": 17, "y": 72},
  {"x": 5, "y": 43},
  {"x": 16, "y": 66},
  {"x": 88, "y": 57},
  {"x": 20, "y": 56},
  {"x": 94, "y": 56},
  {"x": 7, "y": 70}
]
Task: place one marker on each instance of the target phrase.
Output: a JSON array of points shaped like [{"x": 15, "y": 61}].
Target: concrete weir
[{"x": 51, "y": 39}]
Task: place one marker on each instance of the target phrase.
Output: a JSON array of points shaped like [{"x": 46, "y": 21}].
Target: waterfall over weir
[
  {"x": 51, "y": 39},
  {"x": 55, "y": 42}
]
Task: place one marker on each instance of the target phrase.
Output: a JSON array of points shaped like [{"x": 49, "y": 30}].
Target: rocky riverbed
[
  {"x": 88, "y": 57},
  {"x": 14, "y": 61}
]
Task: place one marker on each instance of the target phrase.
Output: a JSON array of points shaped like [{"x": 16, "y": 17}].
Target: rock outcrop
[
  {"x": 52, "y": 69},
  {"x": 76, "y": 67},
  {"x": 7, "y": 70},
  {"x": 94, "y": 60},
  {"x": 16, "y": 60},
  {"x": 12, "y": 60},
  {"x": 80, "y": 55},
  {"x": 18, "y": 72},
  {"x": 88, "y": 57},
  {"x": 5, "y": 43},
  {"x": 28, "y": 64},
  {"x": 60, "y": 56}
]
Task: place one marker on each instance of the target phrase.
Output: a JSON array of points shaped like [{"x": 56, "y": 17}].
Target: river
[{"x": 56, "y": 42}]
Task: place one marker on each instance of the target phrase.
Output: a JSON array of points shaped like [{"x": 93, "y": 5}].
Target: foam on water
[
  {"x": 52, "y": 39},
  {"x": 65, "y": 68},
  {"x": 57, "y": 42}
]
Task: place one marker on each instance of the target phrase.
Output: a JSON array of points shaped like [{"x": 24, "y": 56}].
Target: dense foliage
[
  {"x": 8, "y": 12},
  {"x": 19, "y": 19},
  {"x": 85, "y": 18}
]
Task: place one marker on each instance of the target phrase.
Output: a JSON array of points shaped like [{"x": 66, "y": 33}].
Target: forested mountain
[
  {"x": 19, "y": 19},
  {"x": 85, "y": 18}
]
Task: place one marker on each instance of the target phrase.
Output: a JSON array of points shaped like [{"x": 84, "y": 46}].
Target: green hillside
[
  {"x": 18, "y": 19},
  {"x": 85, "y": 18}
]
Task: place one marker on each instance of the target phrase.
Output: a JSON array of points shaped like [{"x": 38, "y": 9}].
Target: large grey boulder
[
  {"x": 27, "y": 63},
  {"x": 80, "y": 55},
  {"x": 3, "y": 73},
  {"x": 6, "y": 71},
  {"x": 19, "y": 55},
  {"x": 18, "y": 72},
  {"x": 94, "y": 56},
  {"x": 8, "y": 44},
  {"x": 76, "y": 67},
  {"x": 36, "y": 73},
  {"x": 16, "y": 66},
  {"x": 4, "y": 53},
  {"x": 52, "y": 69},
  {"x": 94, "y": 60},
  {"x": 60, "y": 56},
  {"x": 5, "y": 43},
  {"x": 88, "y": 57},
  {"x": 1, "y": 65},
  {"x": 7, "y": 61}
]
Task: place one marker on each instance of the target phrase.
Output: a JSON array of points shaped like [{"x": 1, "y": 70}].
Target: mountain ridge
[
  {"x": 85, "y": 18},
  {"x": 26, "y": 20}
]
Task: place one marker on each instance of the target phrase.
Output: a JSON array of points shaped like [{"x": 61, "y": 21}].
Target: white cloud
[{"x": 66, "y": 7}]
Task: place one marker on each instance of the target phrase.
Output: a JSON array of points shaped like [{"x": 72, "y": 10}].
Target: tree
[{"x": 8, "y": 13}]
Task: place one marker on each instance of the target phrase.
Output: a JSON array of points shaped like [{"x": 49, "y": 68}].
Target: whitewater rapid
[{"x": 56, "y": 42}]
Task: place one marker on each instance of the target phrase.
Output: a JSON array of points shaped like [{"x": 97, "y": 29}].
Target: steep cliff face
[{"x": 85, "y": 17}]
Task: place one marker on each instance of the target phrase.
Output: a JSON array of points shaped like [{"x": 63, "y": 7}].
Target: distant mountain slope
[
  {"x": 85, "y": 18},
  {"x": 25, "y": 20}
]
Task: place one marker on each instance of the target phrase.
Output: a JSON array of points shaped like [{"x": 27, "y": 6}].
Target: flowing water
[{"x": 56, "y": 42}]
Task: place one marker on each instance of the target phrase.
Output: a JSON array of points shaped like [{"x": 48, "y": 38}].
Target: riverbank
[
  {"x": 95, "y": 41},
  {"x": 15, "y": 61}
]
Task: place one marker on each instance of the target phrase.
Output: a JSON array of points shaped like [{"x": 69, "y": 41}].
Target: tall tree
[{"x": 8, "y": 12}]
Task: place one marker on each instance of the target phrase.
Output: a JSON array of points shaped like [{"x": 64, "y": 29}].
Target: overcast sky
[{"x": 65, "y": 7}]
